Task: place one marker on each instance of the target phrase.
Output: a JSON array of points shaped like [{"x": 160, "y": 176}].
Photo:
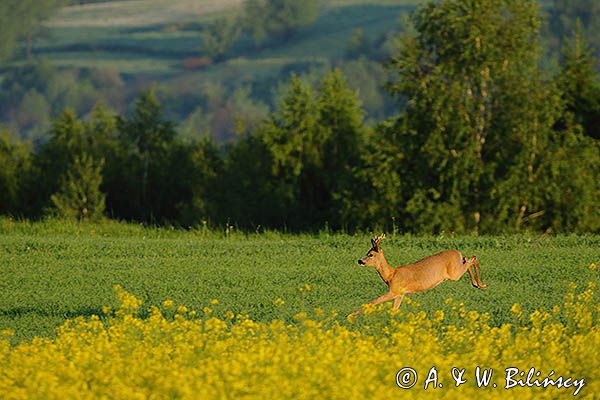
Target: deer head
[{"x": 374, "y": 256}]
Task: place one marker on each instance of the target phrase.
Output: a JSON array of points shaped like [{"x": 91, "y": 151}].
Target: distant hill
[
  {"x": 109, "y": 51},
  {"x": 153, "y": 36}
]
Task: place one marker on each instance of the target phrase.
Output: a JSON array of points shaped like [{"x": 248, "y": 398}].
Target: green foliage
[
  {"x": 293, "y": 139},
  {"x": 571, "y": 186},
  {"x": 358, "y": 45},
  {"x": 478, "y": 134},
  {"x": 34, "y": 111},
  {"x": 219, "y": 36},
  {"x": 67, "y": 140},
  {"x": 146, "y": 140},
  {"x": 341, "y": 117},
  {"x": 158, "y": 178},
  {"x": 368, "y": 78},
  {"x": 578, "y": 82},
  {"x": 195, "y": 170},
  {"x": 56, "y": 270},
  {"x": 21, "y": 19},
  {"x": 314, "y": 140},
  {"x": 278, "y": 18},
  {"x": 14, "y": 164},
  {"x": 248, "y": 194},
  {"x": 79, "y": 196},
  {"x": 575, "y": 166},
  {"x": 32, "y": 93},
  {"x": 378, "y": 184},
  {"x": 565, "y": 16}
]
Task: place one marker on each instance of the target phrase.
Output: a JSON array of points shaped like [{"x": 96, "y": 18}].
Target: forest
[{"x": 484, "y": 117}]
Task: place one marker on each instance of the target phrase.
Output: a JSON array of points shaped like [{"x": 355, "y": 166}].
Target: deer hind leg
[
  {"x": 473, "y": 281},
  {"x": 480, "y": 283},
  {"x": 380, "y": 299},
  {"x": 458, "y": 269}
]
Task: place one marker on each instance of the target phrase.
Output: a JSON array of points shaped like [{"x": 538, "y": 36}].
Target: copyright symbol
[{"x": 406, "y": 378}]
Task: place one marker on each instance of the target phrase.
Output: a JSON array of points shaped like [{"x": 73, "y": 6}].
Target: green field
[
  {"x": 153, "y": 37},
  {"x": 53, "y": 271}
]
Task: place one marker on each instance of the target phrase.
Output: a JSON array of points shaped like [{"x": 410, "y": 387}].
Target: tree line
[{"x": 485, "y": 142}]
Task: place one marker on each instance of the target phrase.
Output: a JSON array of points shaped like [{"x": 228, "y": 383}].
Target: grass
[{"x": 53, "y": 271}]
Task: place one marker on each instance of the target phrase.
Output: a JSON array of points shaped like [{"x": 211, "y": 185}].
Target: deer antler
[{"x": 375, "y": 242}]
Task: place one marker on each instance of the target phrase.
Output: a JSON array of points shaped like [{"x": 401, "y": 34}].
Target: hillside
[{"x": 126, "y": 46}]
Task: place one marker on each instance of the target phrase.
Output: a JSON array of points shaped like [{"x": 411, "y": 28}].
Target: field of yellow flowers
[{"x": 176, "y": 352}]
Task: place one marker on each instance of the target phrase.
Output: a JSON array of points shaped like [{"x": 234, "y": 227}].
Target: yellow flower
[
  {"x": 168, "y": 304},
  {"x": 214, "y": 302},
  {"x": 182, "y": 309},
  {"x": 279, "y": 302},
  {"x": 300, "y": 316},
  {"x": 516, "y": 309},
  {"x": 556, "y": 309},
  {"x": 305, "y": 288},
  {"x": 207, "y": 357}
]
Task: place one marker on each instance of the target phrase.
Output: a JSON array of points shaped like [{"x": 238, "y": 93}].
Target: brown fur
[{"x": 422, "y": 275}]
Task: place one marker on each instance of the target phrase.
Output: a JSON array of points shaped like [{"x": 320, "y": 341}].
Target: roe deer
[{"x": 419, "y": 276}]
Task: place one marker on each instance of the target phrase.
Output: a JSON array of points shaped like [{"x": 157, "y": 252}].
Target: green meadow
[{"x": 53, "y": 271}]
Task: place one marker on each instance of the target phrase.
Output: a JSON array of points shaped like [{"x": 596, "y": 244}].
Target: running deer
[{"x": 419, "y": 276}]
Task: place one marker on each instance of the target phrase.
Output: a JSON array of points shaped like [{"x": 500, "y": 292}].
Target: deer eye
[{"x": 370, "y": 255}]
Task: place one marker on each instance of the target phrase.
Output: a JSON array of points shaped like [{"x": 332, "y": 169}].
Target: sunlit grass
[{"x": 57, "y": 270}]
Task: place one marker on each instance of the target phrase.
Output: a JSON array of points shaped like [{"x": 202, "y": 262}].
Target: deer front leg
[
  {"x": 398, "y": 300},
  {"x": 380, "y": 299}
]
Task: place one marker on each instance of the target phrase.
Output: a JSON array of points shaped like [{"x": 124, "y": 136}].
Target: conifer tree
[
  {"x": 147, "y": 139},
  {"x": 79, "y": 196},
  {"x": 344, "y": 134},
  {"x": 315, "y": 139}
]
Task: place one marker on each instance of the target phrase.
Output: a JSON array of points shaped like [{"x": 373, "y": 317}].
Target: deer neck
[{"x": 385, "y": 270}]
